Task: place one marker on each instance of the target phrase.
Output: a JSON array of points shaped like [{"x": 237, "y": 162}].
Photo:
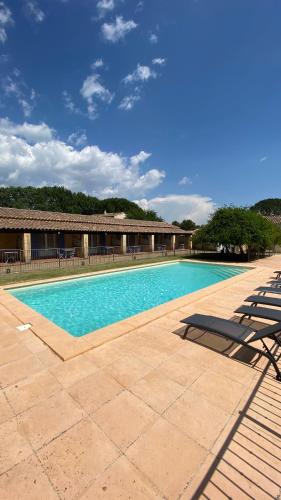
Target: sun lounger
[
  {"x": 268, "y": 289},
  {"x": 266, "y": 301},
  {"x": 258, "y": 312},
  {"x": 240, "y": 334}
]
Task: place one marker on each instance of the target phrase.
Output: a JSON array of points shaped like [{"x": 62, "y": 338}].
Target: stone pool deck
[{"x": 146, "y": 415}]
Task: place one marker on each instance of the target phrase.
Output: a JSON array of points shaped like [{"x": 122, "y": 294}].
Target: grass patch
[{"x": 57, "y": 273}]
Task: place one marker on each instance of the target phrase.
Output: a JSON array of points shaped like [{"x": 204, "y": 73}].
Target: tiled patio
[{"x": 147, "y": 415}]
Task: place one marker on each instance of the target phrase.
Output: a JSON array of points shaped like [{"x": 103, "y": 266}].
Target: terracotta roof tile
[{"x": 21, "y": 219}]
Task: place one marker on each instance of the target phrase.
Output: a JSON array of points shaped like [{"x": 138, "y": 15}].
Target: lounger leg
[
  {"x": 270, "y": 356},
  {"x": 186, "y": 332},
  {"x": 243, "y": 317}
]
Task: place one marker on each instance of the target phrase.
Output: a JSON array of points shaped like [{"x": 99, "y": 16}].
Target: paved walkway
[{"x": 145, "y": 416}]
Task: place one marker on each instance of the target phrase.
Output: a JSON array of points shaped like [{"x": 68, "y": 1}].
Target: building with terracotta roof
[{"x": 42, "y": 233}]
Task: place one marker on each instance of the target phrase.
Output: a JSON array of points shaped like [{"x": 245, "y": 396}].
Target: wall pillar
[
  {"x": 85, "y": 245},
  {"x": 151, "y": 242},
  {"x": 189, "y": 242},
  {"x": 123, "y": 243},
  {"x": 173, "y": 242},
  {"x": 26, "y": 247}
]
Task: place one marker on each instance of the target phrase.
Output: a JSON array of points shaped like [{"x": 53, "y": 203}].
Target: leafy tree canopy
[
  {"x": 235, "y": 226},
  {"x": 270, "y": 206},
  {"x": 59, "y": 199},
  {"x": 186, "y": 224}
]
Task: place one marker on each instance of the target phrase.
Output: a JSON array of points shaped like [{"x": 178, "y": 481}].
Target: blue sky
[{"x": 174, "y": 104}]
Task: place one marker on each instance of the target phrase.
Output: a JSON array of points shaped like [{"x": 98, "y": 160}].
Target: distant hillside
[
  {"x": 269, "y": 206},
  {"x": 59, "y": 199}
]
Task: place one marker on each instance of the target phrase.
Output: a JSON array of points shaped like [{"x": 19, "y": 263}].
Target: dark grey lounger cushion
[
  {"x": 260, "y": 299},
  {"x": 268, "y": 289},
  {"x": 260, "y": 312}
]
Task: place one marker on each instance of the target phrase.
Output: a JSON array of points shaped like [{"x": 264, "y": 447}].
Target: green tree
[
  {"x": 270, "y": 206},
  {"x": 240, "y": 228},
  {"x": 186, "y": 224},
  {"x": 59, "y": 199}
]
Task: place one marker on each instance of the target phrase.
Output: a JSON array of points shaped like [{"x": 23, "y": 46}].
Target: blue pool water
[{"x": 82, "y": 305}]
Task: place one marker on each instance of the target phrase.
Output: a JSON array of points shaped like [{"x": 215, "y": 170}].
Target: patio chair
[
  {"x": 240, "y": 334},
  {"x": 268, "y": 289},
  {"x": 266, "y": 301},
  {"x": 258, "y": 312}
]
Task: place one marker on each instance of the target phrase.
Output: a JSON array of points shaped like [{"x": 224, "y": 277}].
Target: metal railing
[{"x": 18, "y": 261}]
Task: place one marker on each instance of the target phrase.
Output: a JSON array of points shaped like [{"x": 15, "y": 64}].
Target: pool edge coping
[{"x": 67, "y": 346}]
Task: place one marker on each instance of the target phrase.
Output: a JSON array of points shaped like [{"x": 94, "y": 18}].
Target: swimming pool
[{"x": 83, "y": 305}]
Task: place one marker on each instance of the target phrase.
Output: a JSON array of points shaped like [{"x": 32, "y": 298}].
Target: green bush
[{"x": 239, "y": 228}]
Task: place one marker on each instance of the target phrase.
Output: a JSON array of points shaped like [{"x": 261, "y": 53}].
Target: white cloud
[
  {"x": 128, "y": 102},
  {"x": 263, "y": 158},
  {"x": 105, "y": 6},
  {"x": 89, "y": 169},
  {"x": 5, "y": 20},
  {"x": 78, "y": 139},
  {"x": 178, "y": 207},
  {"x": 32, "y": 133},
  {"x": 139, "y": 6},
  {"x": 15, "y": 86},
  {"x": 184, "y": 181},
  {"x": 33, "y": 11},
  {"x": 140, "y": 74},
  {"x": 141, "y": 157},
  {"x": 113, "y": 32},
  {"x": 92, "y": 89},
  {"x": 98, "y": 63},
  {"x": 153, "y": 38},
  {"x": 160, "y": 61},
  {"x": 69, "y": 103}
]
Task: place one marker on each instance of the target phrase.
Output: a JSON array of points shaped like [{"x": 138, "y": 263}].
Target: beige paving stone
[
  {"x": 70, "y": 372},
  {"x": 157, "y": 390},
  {"x": 179, "y": 369},
  {"x": 49, "y": 419},
  {"x": 199, "y": 355},
  {"x": 49, "y": 358},
  {"x": 104, "y": 355},
  {"x": 8, "y": 338},
  {"x": 167, "y": 457},
  {"x": 31, "y": 391},
  {"x": 121, "y": 481},
  {"x": 26, "y": 481},
  {"x": 197, "y": 417},
  {"x": 254, "y": 484},
  {"x": 33, "y": 343},
  {"x": 12, "y": 353},
  {"x": 75, "y": 459},
  {"x": 128, "y": 370},
  {"x": 94, "y": 391},
  {"x": 68, "y": 348},
  {"x": 222, "y": 392},
  {"x": 6, "y": 411},
  {"x": 13, "y": 446},
  {"x": 17, "y": 370},
  {"x": 124, "y": 418},
  {"x": 234, "y": 369}
]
